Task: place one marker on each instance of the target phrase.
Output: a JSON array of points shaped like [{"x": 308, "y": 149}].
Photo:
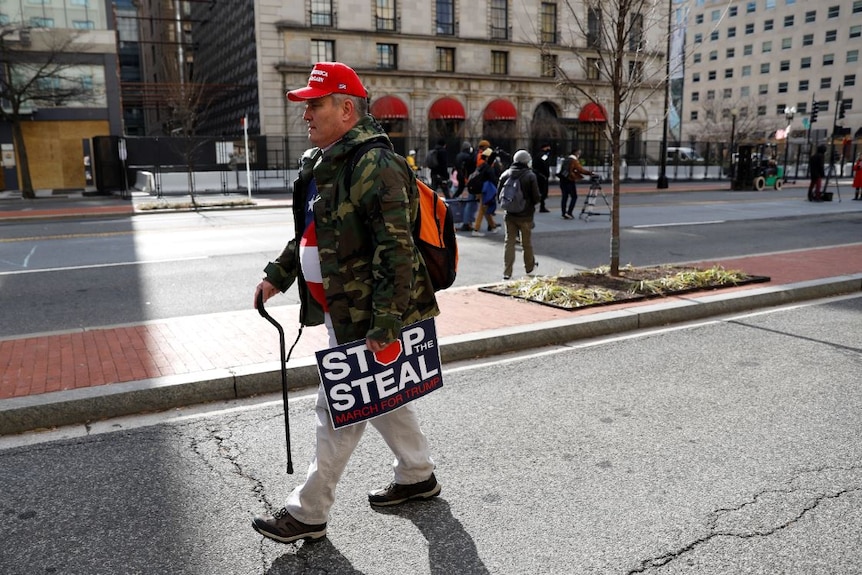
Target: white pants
[{"x": 311, "y": 501}]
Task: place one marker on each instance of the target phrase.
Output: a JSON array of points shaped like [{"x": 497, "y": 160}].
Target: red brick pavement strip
[{"x": 92, "y": 357}]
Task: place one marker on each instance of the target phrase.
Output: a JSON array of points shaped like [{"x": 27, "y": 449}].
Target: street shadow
[
  {"x": 313, "y": 559},
  {"x": 450, "y": 547}
]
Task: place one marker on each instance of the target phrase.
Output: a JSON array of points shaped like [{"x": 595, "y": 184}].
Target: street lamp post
[
  {"x": 733, "y": 114},
  {"x": 789, "y": 112},
  {"x": 662, "y": 182}
]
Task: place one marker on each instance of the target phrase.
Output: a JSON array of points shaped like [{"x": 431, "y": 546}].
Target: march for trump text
[{"x": 360, "y": 385}]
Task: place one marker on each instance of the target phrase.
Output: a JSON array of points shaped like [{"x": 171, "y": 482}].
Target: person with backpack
[
  {"x": 570, "y": 172},
  {"x": 359, "y": 273},
  {"x": 518, "y": 195},
  {"x": 438, "y": 163},
  {"x": 465, "y": 164},
  {"x": 487, "y": 175}
]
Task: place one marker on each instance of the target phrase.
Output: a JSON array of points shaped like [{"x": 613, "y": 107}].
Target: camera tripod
[{"x": 589, "y": 206}]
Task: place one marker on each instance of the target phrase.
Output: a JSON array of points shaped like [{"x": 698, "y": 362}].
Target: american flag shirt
[{"x": 309, "y": 260}]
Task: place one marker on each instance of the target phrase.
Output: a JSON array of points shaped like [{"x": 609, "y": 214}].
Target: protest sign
[{"x": 360, "y": 385}]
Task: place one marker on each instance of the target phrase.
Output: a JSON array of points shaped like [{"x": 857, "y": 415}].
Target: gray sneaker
[
  {"x": 396, "y": 493},
  {"x": 285, "y": 528}
]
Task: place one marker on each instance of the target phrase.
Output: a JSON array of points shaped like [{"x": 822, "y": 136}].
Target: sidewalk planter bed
[{"x": 597, "y": 287}]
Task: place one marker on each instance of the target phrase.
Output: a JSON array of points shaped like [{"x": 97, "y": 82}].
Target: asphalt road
[
  {"x": 96, "y": 272},
  {"x": 728, "y": 446}
]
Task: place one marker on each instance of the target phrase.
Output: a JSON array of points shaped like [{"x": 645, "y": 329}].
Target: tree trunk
[{"x": 23, "y": 161}]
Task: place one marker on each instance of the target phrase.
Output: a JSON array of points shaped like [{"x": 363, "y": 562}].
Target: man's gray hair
[{"x": 359, "y": 103}]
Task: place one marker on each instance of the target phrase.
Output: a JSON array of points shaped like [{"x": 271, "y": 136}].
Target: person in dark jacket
[
  {"x": 542, "y": 168},
  {"x": 465, "y": 163},
  {"x": 816, "y": 171},
  {"x": 359, "y": 273},
  {"x": 440, "y": 172},
  {"x": 520, "y": 224}
]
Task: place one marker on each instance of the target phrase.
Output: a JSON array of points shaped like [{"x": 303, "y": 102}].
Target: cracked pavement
[{"x": 729, "y": 446}]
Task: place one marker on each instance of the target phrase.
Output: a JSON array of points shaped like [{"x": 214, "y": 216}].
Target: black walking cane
[{"x": 269, "y": 318}]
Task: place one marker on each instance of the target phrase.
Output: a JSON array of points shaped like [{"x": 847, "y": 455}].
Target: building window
[
  {"x": 764, "y": 68},
  {"x": 386, "y": 15},
  {"x": 727, "y": 93},
  {"x": 549, "y": 66},
  {"x": 749, "y": 29},
  {"x": 693, "y": 116},
  {"x": 83, "y": 25},
  {"x": 768, "y": 25},
  {"x": 763, "y": 89},
  {"x": 728, "y": 72},
  {"x": 803, "y": 85},
  {"x": 828, "y": 59},
  {"x": 770, "y": 4},
  {"x": 833, "y": 12},
  {"x": 857, "y": 6},
  {"x": 805, "y": 62},
  {"x": 710, "y": 95},
  {"x": 786, "y": 43},
  {"x": 711, "y": 75},
  {"x": 499, "y": 63},
  {"x": 855, "y": 31},
  {"x": 715, "y": 15},
  {"x": 751, "y": 7},
  {"x": 731, "y": 52},
  {"x": 387, "y": 56},
  {"x": 766, "y": 47},
  {"x": 713, "y": 55},
  {"x": 747, "y": 50},
  {"x": 850, "y": 80},
  {"x": 733, "y": 11},
  {"x": 808, "y": 40},
  {"x": 782, "y": 88},
  {"x": 831, "y": 35},
  {"x": 761, "y": 110},
  {"x": 698, "y": 19},
  {"x": 594, "y": 28},
  {"x": 744, "y": 92},
  {"x": 779, "y": 109},
  {"x": 446, "y": 17},
  {"x": 592, "y": 69},
  {"x": 696, "y": 58},
  {"x": 698, "y": 38},
  {"x": 695, "y": 77},
  {"x": 321, "y": 15},
  {"x": 39, "y": 22},
  {"x": 784, "y": 65},
  {"x": 788, "y": 21},
  {"x": 322, "y": 50},
  {"x": 636, "y": 35},
  {"x": 802, "y": 108},
  {"x": 548, "y": 19},
  {"x": 499, "y": 19},
  {"x": 695, "y": 96},
  {"x": 810, "y": 16},
  {"x": 713, "y": 36},
  {"x": 852, "y": 56},
  {"x": 636, "y": 71},
  {"x": 731, "y": 32},
  {"x": 445, "y": 59},
  {"x": 825, "y": 83},
  {"x": 746, "y": 71}
]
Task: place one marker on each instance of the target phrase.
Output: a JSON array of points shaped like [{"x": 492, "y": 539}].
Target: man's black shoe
[
  {"x": 395, "y": 493},
  {"x": 285, "y": 528}
]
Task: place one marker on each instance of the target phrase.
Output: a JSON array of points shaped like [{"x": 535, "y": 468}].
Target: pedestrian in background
[
  {"x": 542, "y": 168},
  {"x": 572, "y": 171},
  {"x": 439, "y": 166},
  {"x": 520, "y": 224},
  {"x": 489, "y": 175},
  {"x": 857, "y": 178},
  {"x": 366, "y": 287},
  {"x": 816, "y": 172},
  {"x": 411, "y": 161}
]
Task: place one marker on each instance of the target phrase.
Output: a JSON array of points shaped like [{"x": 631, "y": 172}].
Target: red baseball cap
[{"x": 329, "y": 78}]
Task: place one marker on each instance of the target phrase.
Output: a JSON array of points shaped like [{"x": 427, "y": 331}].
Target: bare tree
[
  {"x": 40, "y": 67},
  {"x": 620, "y": 49},
  {"x": 751, "y": 124}
]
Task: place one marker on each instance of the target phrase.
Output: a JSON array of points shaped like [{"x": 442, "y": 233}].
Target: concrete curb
[{"x": 158, "y": 394}]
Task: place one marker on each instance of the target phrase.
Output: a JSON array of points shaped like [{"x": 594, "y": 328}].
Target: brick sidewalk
[{"x": 102, "y": 356}]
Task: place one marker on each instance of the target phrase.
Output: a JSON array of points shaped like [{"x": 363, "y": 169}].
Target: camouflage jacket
[{"x": 373, "y": 275}]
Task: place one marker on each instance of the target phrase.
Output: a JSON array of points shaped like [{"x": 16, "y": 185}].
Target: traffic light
[
  {"x": 814, "y": 108},
  {"x": 841, "y": 110}
]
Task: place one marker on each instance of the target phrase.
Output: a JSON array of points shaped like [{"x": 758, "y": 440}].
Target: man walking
[
  {"x": 542, "y": 169},
  {"x": 359, "y": 273},
  {"x": 520, "y": 224}
]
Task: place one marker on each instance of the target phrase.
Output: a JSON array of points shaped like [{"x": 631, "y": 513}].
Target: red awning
[
  {"x": 500, "y": 110},
  {"x": 446, "y": 109},
  {"x": 389, "y": 108},
  {"x": 592, "y": 112}
]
